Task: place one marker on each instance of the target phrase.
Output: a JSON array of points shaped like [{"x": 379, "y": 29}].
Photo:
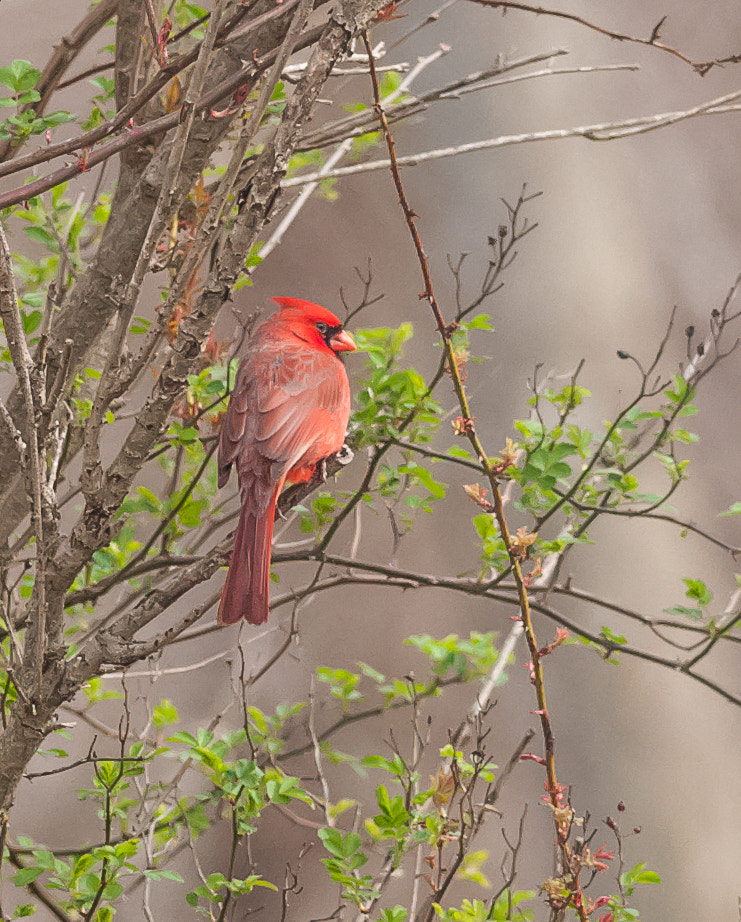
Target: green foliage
[
  {"x": 99, "y": 111},
  {"x": 462, "y": 657},
  {"x": 505, "y": 907},
  {"x": 394, "y": 914},
  {"x": 216, "y": 885},
  {"x": 391, "y": 396},
  {"x": 321, "y": 513},
  {"x": 342, "y": 684},
  {"x": 393, "y": 401},
  {"x": 97, "y": 874},
  {"x": 184, "y": 13},
  {"x": 629, "y": 880},
  {"x": 21, "y": 77},
  {"x": 347, "y": 858},
  {"x": 699, "y": 593}
]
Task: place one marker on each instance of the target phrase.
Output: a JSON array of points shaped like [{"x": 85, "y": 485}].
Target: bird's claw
[{"x": 345, "y": 455}]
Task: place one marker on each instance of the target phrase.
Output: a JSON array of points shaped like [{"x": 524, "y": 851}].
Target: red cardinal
[{"x": 288, "y": 411}]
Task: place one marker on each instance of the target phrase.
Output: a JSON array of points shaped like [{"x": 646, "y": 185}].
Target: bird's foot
[{"x": 345, "y": 455}]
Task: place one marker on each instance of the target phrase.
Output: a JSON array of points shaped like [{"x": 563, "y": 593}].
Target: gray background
[{"x": 627, "y": 229}]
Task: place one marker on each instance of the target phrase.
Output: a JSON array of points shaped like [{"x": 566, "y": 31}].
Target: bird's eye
[{"x": 322, "y": 327}]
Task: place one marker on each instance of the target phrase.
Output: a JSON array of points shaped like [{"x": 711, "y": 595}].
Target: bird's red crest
[{"x": 308, "y": 310}]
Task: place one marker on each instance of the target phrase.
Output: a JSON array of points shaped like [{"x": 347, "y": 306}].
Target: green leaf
[
  {"x": 27, "y": 876},
  {"x": 693, "y": 613},
  {"x": 19, "y": 76},
  {"x": 165, "y": 713},
  {"x": 735, "y": 509},
  {"x": 647, "y": 877},
  {"x": 154, "y": 874},
  {"x": 612, "y": 637},
  {"x": 697, "y": 590},
  {"x": 332, "y": 839},
  {"x": 41, "y": 235},
  {"x": 396, "y": 914},
  {"x": 52, "y": 119},
  {"x": 31, "y": 320},
  {"x": 113, "y": 890}
]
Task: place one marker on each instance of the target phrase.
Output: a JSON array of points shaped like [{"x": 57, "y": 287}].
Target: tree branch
[
  {"x": 604, "y": 131},
  {"x": 64, "y": 54},
  {"x": 652, "y": 41}
]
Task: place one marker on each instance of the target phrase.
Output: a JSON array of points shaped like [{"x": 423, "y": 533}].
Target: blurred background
[{"x": 627, "y": 230}]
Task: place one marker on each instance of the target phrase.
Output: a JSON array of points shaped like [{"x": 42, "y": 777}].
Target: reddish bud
[{"x": 531, "y": 757}]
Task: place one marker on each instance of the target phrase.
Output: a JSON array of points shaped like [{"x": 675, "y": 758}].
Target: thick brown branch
[{"x": 97, "y": 295}]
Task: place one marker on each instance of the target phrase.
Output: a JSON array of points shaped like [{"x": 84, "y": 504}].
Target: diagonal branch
[
  {"x": 64, "y": 54},
  {"x": 128, "y": 107},
  {"x": 652, "y": 41},
  {"x": 602, "y": 131}
]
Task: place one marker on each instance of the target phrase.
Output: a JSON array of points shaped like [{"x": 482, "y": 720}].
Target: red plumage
[{"x": 288, "y": 411}]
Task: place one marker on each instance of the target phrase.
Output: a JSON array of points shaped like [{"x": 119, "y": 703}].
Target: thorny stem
[{"x": 467, "y": 426}]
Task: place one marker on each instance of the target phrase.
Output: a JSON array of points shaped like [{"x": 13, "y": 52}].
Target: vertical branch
[
  {"x": 24, "y": 369},
  {"x": 109, "y": 387},
  {"x": 3, "y": 836},
  {"x": 465, "y": 425},
  {"x": 318, "y": 754}
]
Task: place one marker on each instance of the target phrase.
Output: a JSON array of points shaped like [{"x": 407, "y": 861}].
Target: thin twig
[
  {"x": 24, "y": 369},
  {"x": 652, "y": 41},
  {"x": 603, "y": 131},
  {"x": 318, "y": 754},
  {"x": 466, "y": 427},
  {"x": 277, "y": 235}
]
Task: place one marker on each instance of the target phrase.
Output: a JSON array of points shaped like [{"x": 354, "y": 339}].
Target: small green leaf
[
  {"x": 27, "y": 876},
  {"x": 165, "y": 713},
  {"x": 19, "y": 76}
]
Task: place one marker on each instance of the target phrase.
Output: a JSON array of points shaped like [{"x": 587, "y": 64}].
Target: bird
[{"x": 287, "y": 414}]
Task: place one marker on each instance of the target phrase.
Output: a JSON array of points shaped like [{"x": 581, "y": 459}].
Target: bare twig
[
  {"x": 652, "y": 41},
  {"x": 604, "y": 131},
  {"x": 318, "y": 755},
  {"x": 277, "y": 235}
]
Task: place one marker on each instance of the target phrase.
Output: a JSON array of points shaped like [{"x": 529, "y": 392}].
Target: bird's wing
[
  {"x": 234, "y": 424},
  {"x": 289, "y": 404},
  {"x": 303, "y": 400}
]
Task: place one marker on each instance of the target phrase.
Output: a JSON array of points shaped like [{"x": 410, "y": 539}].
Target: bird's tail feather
[{"x": 245, "y": 593}]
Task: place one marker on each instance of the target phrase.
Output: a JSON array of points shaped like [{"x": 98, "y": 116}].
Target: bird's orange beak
[{"x": 342, "y": 342}]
